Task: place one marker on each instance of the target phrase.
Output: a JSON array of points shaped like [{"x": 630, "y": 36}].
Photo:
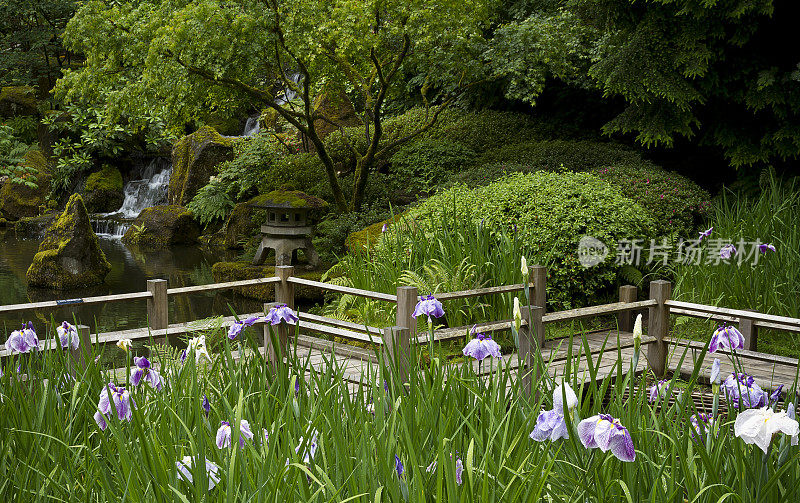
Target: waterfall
[
  {"x": 252, "y": 126},
  {"x": 148, "y": 188},
  {"x": 288, "y": 94}
]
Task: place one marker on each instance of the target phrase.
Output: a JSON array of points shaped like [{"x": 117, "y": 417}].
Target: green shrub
[
  {"x": 333, "y": 231},
  {"x": 423, "y": 165},
  {"x": 573, "y": 155},
  {"x": 24, "y": 128},
  {"x": 677, "y": 204},
  {"x": 550, "y": 212},
  {"x": 211, "y": 203}
]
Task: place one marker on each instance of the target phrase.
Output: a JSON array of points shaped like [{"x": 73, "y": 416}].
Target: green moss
[
  {"x": 108, "y": 178},
  {"x": 69, "y": 256},
  {"x": 161, "y": 226},
  {"x": 194, "y": 158},
  {"x": 18, "y": 100},
  {"x": 289, "y": 199},
  {"x": 236, "y": 271},
  {"x": 18, "y": 200},
  {"x": 368, "y": 236}
]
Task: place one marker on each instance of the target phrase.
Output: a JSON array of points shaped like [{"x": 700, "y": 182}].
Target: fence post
[
  {"x": 158, "y": 306},
  {"x": 81, "y": 356},
  {"x": 407, "y": 297},
  {"x": 750, "y": 332},
  {"x": 282, "y": 336},
  {"x": 627, "y": 293},
  {"x": 539, "y": 280},
  {"x": 284, "y": 294},
  {"x": 658, "y": 326},
  {"x": 531, "y": 339},
  {"x": 284, "y": 291},
  {"x": 396, "y": 345}
]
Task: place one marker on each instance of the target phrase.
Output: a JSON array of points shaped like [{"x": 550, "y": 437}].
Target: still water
[{"x": 130, "y": 270}]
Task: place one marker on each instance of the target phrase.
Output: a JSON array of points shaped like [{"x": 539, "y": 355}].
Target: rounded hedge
[{"x": 551, "y": 212}]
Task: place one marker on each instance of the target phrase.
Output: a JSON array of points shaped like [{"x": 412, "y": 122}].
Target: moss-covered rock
[
  {"x": 160, "y": 226},
  {"x": 291, "y": 199},
  {"x": 336, "y": 106},
  {"x": 242, "y": 227},
  {"x": 69, "y": 256},
  {"x": 18, "y": 200},
  {"x": 368, "y": 236},
  {"x": 236, "y": 271},
  {"x": 18, "y": 100},
  {"x": 103, "y": 190},
  {"x": 35, "y": 227},
  {"x": 194, "y": 159}
]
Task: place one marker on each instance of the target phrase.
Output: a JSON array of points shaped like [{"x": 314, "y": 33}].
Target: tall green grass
[
  {"x": 770, "y": 286},
  {"x": 51, "y": 449},
  {"x": 444, "y": 256}
]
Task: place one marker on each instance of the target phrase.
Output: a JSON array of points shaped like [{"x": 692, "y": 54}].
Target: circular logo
[{"x": 591, "y": 251}]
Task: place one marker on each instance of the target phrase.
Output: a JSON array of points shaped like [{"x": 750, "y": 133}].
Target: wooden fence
[{"x": 396, "y": 340}]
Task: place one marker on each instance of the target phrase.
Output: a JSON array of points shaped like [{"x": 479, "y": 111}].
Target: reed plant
[{"x": 446, "y": 434}]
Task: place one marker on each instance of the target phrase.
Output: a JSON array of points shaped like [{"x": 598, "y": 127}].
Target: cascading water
[
  {"x": 252, "y": 126},
  {"x": 148, "y": 189}
]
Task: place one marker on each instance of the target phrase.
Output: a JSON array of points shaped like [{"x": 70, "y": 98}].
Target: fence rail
[{"x": 659, "y": 307}]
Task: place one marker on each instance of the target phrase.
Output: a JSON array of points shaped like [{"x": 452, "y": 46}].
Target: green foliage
[
  {"x": 677, "y": 204},
  {"x": 550, "y": 212},
  {"x": 30, "y": 40},
  {"x": 24, "y": 128},
  {"x": 572, "y": 155},
  {"x": 333, "y": 231},
  {"x": 88, "y": 137},
  {"x": 107, "y": 179},
  {"x": 12, "y": 159},
  {"x": 768, "y": 283},
  {"x": 423, "y": 165},
  {"x": 211, "y": 203},
  {"x": 253, "y": 166}
]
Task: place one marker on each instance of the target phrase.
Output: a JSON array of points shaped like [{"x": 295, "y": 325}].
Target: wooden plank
[
  {"x": 739, "y": 313},
  {"x": 355, "y": 327},
  {"x": 477, "y": 292},
  {"x": 344, "y": 289},
  {"x": 706, "y": 316},
  {"x": 338, "y": 332},
  {"x": 743, "y": 353},
  {"x": 584, "y": 312},
  {"x": 330, "y": 346},
  {"x": 221, "y": 286},
  {"x": 453, "y": 333},
  {"x": 53, "y": 304}
]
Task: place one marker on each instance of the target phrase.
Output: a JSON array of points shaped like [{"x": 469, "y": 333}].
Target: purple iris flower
[
  {"x": 482, "y": 346},
  {"x": 398, "y": 466},
  {"x": 384, "y": 228},
  {"x": 280, "y": 313},
  {"x": 238, "y": 326},
  {"x": 727, "y": 251},
  {"x": 68, "y": 335},
  {"x": 311, "y": 447},
  {"x": 743, "y": 387},
  {"x": 23, "y": 340},
  {"x": 701, "y": 424},
  {"x": 206, "y": 405},
  {"x": 726, "y": 337},
  {"x": 766, "y": 246},
  {"x": 659, "y": 390},
  {"x": 428, "y": 306},
  {"x": 297, "y": 386},
  {"x": 224, "y": 434},
  {"x": 123, "y": 403},
  {"x": 706, "y": 233},
  {"x": 606, "y": 432},
  {"x": 459, "y": 468},
  {"x": 144, "y": 369},
  {"x": 550, "y": 425},
  {"x": 776, "y": 395},
  {"x": 185, "y": 466}
]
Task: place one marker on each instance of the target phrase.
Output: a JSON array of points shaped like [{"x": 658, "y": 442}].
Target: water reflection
[{"x": 130, "y": 270}]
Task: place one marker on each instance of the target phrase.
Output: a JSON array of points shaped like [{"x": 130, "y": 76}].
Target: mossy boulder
[
  {"x": 103, "y": 190},
  {"x": 35, "y": 227},
  {"x": 18, "y": 100},
  {"x": 194, "y": 159},
  {"x": 69, "y": 256},
  {"x": 236, "y": 271},
  {"x": 161, "y": 226},
  {"x": 336, "y": 106},
  {"x": 367, "y": 237},
  {"x": 18, "y": 200},
  {"x": 242, "y": 227}
]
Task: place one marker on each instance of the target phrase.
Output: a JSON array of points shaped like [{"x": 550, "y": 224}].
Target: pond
[{"x": 130, "y": 270}]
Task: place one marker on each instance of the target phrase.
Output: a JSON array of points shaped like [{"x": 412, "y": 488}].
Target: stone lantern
[{"x": 290, "y": 218}]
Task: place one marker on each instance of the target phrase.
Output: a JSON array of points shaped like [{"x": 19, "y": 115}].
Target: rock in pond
[
  {"x": 194, "y": 158},
  {"x": 69, "y": 255},
  {"x": 161, "y": 226},
  {"x": 103, "y": 190}
]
